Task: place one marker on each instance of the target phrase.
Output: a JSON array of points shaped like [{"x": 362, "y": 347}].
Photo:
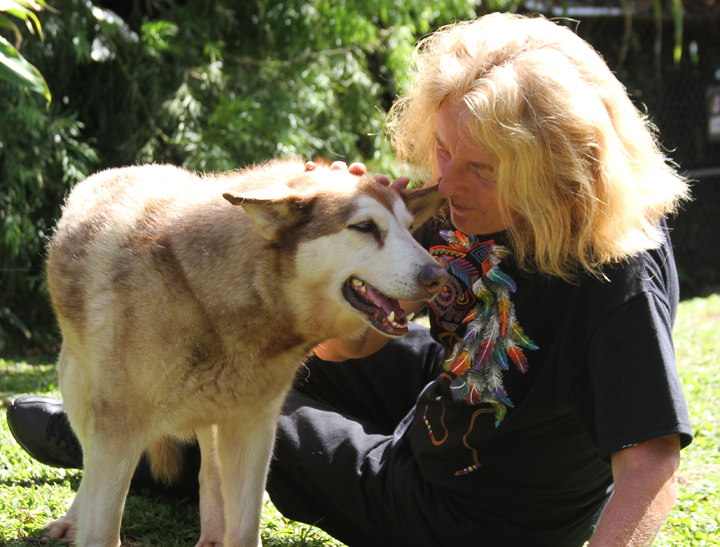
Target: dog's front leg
[
  {"x": 212, "y": 517},
  {"x": 244, "y": 451},
  {"x": 109, "y": 464}
]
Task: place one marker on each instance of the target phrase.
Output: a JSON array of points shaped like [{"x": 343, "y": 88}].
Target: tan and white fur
[{"x": 186, "y": 306}]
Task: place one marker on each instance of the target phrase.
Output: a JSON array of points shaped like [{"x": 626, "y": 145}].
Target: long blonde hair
[{"x": 579, "y": 165}]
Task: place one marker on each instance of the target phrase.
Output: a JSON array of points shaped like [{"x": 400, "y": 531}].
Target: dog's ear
[
  {"x": 422, "y": 203},
  {"x": 274, "y": 209}
]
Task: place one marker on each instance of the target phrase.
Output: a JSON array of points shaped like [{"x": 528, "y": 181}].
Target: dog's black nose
[{"x": 433, "y": 278}]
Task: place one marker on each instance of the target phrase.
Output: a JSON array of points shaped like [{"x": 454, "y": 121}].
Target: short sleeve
[{"x": 636, "y": 391}]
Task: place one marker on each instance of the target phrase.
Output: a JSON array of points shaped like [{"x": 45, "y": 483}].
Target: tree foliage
[
  {"x": 13, "y": 66},
  {"x": 210, "y": 86}
]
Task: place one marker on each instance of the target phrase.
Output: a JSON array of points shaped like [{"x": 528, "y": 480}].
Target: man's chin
[
  {"x": 463, "y": 223},
  {"x": 467, "y": 223}
]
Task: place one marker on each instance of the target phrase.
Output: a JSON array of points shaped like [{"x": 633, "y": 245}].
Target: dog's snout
[{"x": 433, "y": 278}]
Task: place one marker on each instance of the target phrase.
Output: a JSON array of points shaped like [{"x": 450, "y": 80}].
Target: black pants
[
  {"x": 342, "y": 463},
  {"x": 338, "y": 464}
]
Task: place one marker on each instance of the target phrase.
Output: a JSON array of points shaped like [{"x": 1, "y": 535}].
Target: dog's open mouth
[{"x": 384, "y": 312}]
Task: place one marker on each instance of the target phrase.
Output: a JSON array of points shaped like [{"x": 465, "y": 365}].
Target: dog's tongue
[
  {"x": 383, "y": 312},
  {"x": 385, "y": 304}
]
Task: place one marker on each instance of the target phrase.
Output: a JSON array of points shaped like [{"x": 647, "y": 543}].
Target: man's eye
[
  {"x": 442, "y": 152},
  {"x": 485, "y": 176}
]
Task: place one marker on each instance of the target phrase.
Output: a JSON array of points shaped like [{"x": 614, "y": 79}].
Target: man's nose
[{"x": 451, "y": 183}]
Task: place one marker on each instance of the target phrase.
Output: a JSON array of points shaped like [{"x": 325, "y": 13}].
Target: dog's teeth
[
  {"x": 359, "y": 285},
  {"x": 391, "y": 317}
]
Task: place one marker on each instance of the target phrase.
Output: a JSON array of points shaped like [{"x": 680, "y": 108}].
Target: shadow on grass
[
  {"x": 148, "y": 519},
  {"x": 31, "y": 359},
  {"x": 35, "y": 540},
  {"x": 22, "y": 377},
  {"x": 72, "y": 482}
]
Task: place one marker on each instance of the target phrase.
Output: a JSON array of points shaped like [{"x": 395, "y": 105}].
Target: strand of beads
[{"x": 466, "y": 470}]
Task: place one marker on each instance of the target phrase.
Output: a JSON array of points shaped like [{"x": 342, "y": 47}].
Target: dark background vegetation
[{"x": 219, "y": 84}]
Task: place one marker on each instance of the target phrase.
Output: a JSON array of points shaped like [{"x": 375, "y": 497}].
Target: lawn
[{"x": 32, "y": 494}]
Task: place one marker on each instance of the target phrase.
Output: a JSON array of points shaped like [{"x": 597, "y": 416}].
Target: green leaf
[
  {"x": 19, "y": 10},
  {"x": 15, "y": 69},
  {"x": 6, "y": 23},
  {"x": 32, "y": 4}
]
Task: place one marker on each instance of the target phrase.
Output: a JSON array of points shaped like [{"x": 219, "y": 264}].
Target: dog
[{"x": 187, "y": 304}]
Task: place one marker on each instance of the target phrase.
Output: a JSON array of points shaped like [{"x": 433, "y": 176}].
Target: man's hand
[{"x": 360, "y": 169}]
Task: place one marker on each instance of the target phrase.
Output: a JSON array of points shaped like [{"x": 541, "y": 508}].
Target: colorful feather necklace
[{"x": 493, "y": 337}]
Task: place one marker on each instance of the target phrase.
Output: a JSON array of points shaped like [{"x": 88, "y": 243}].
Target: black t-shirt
[{"x": 595, "y": 373}]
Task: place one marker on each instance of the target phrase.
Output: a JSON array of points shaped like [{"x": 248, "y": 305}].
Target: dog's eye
[{"x": 367, "y": 227}]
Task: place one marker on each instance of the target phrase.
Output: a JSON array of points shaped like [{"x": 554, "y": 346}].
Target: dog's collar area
[{"x": 383, "y": 312}]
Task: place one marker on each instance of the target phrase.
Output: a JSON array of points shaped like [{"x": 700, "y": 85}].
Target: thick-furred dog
[{"x": 186, "y": 306}]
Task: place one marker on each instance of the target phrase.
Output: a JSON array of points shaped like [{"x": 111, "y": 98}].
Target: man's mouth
[
  {"x": 383, "y": 312},
  {"x": 459, "y": 208}
]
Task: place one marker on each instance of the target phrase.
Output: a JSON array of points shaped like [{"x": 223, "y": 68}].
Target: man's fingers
[
  {"x": 382, "y": 179},
  {"x": 400, "y": 183},
  {"x": 339, "y": 166},
  {"x": 357, "y": 168}
]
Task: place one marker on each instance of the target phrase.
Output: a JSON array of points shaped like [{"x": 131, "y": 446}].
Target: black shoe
[{"x": 40, "y": 426}]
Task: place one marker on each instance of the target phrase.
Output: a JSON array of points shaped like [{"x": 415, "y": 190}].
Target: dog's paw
[{"x": 59, "y": 529}]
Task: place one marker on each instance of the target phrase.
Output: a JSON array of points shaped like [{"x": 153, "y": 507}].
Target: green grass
[
  {"x": 696, "y": 517},
  {"x": 32, "y": 494}
]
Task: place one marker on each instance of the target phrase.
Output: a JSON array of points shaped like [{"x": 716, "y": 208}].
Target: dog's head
[{"x": 354, "y": 255}]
